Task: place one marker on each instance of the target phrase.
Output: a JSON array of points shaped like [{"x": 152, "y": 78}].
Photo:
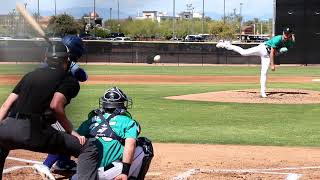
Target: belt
[{"x": 23, "y": 116}]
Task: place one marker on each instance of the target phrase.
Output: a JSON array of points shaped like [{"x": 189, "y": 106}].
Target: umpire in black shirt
[{"x": 25, "y": 118}]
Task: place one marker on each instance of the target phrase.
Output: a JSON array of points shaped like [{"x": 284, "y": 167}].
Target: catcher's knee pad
[{"x": 147, "y": 147}]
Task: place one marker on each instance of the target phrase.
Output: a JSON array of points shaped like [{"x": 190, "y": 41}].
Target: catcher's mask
[{"x": 115, "y": 98}]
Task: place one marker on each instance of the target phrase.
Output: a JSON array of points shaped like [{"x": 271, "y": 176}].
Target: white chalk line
[
  {"x": 290, "y": 176},
  {"x": 316, "y": 80},
  {"x": 14, "y": 168},
  {"x": 24, "y": 160},
  {"x": 38, "y": 162},
  {"x": 187, "y": 174}
]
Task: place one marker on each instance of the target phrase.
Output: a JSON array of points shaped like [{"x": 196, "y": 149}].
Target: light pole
[
  {"x": 224, "y": 11},
  {"x": 274, "y": 18},
  {"x": 174, "y": 19},
  {"x": 55, "y": 7},
  {"x": 94, "y": 18},
  {"x": 38, "y": 11},
  {"x": 192, "y": 30},
  {"x": 240, "y": 18},
  {"x": 190, "y": 12},
  {"x": 118, "y": 18},
  {"x": 24, "y": 22},
  {"x": 94, "y": 11},
  {"x": 202, "y": 17},
  {"x": 110, "y": 13},
  {"x": 13, "y": 22}
]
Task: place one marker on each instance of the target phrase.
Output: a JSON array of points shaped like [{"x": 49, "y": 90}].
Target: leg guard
[{"x": 147, "y": 147}]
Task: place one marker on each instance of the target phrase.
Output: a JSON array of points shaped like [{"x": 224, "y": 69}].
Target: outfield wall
[{"x": 137, "y": 52}]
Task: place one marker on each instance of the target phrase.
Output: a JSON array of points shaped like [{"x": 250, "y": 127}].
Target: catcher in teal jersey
[{"x": 122, "y": 154}]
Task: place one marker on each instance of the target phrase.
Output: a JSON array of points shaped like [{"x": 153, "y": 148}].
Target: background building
[{"x": 93, "y": 19}]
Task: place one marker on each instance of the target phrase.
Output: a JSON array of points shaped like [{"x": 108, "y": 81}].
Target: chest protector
[{"x": 104, "y": 129}]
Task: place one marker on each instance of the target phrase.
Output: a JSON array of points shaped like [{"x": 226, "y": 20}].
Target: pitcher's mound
[{"x": 275, "y": 96}]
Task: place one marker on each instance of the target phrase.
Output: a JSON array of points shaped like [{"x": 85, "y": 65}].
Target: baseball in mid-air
[{"x": 157, "y": 58}]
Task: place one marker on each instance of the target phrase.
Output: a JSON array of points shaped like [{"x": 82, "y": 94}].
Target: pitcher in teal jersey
[
  {"x": 266, "y": 51},
  {"x": 121, "y": 156}
]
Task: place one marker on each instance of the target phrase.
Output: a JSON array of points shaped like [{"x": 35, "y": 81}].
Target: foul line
[
  {"x": 24, "y": 160},
  {"x": 290, "y": 176},
  {"x": 38, "y": 162},
  {"x": 14, "y": 168}
]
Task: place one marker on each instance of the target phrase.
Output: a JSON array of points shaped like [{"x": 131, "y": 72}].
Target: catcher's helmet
[
  {"x": 75, "y": 46},
  {"x": 115, "y": 98}
]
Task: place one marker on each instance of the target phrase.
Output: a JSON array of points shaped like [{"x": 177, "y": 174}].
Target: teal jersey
[
  {"x": 277, "y": 43},
  {"x": 111, "y": 150}
]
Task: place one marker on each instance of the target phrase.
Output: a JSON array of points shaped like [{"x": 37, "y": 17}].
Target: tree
[
  {"x": 223, "y": 30},
  {"x": 63, "y": 24},
  {"x": 100, "y": 32},
  {"x": 4, "y": 31}
]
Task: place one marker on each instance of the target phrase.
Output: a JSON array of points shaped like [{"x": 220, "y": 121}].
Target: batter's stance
[
  {"x": 266, "y": 51},
  {"x": 25, "y": 118}
]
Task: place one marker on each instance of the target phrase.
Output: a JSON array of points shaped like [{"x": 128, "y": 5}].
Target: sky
[{"x": 251, "y": 8}]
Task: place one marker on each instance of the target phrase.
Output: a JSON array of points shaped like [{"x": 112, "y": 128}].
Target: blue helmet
[{"x": 75, "y": 46}]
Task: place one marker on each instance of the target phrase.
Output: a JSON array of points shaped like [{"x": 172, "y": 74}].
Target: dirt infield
[
  {"x": 275, "y": 96},
  {"x": 169, "y": 79},
  {"x": 193, "y": 161}
]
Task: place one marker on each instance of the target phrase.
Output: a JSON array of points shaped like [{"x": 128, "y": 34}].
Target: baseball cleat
[
  {"x": 263, "y": 95},
  {"x": 44, "y": 171},
  {"x": 227, "y": 45},
  {"x": 220, "y": 44},
  {"x": 65, "y": 166}
]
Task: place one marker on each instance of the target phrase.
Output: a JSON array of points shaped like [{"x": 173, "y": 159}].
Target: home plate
[{"x": 316, "y": 80}]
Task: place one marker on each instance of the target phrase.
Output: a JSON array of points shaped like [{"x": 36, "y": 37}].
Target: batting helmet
[
  {"x": 75, "y": 46},
  {"x": 115, "y": 98}
]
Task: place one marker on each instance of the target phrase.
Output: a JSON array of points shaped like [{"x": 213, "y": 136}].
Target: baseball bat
[{"x": 32, "y": 22}]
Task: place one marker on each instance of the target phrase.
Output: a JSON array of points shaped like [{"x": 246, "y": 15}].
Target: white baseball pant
[
  {"x": 117, "y": 167},
  {"x": 260, "y": 51}
]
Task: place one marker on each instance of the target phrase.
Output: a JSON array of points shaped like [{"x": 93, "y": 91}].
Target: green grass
[
  {"x": 177, "y": 70},
  {"x": 166, "y": 120},
  {"x": 200, "y": 70}
]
